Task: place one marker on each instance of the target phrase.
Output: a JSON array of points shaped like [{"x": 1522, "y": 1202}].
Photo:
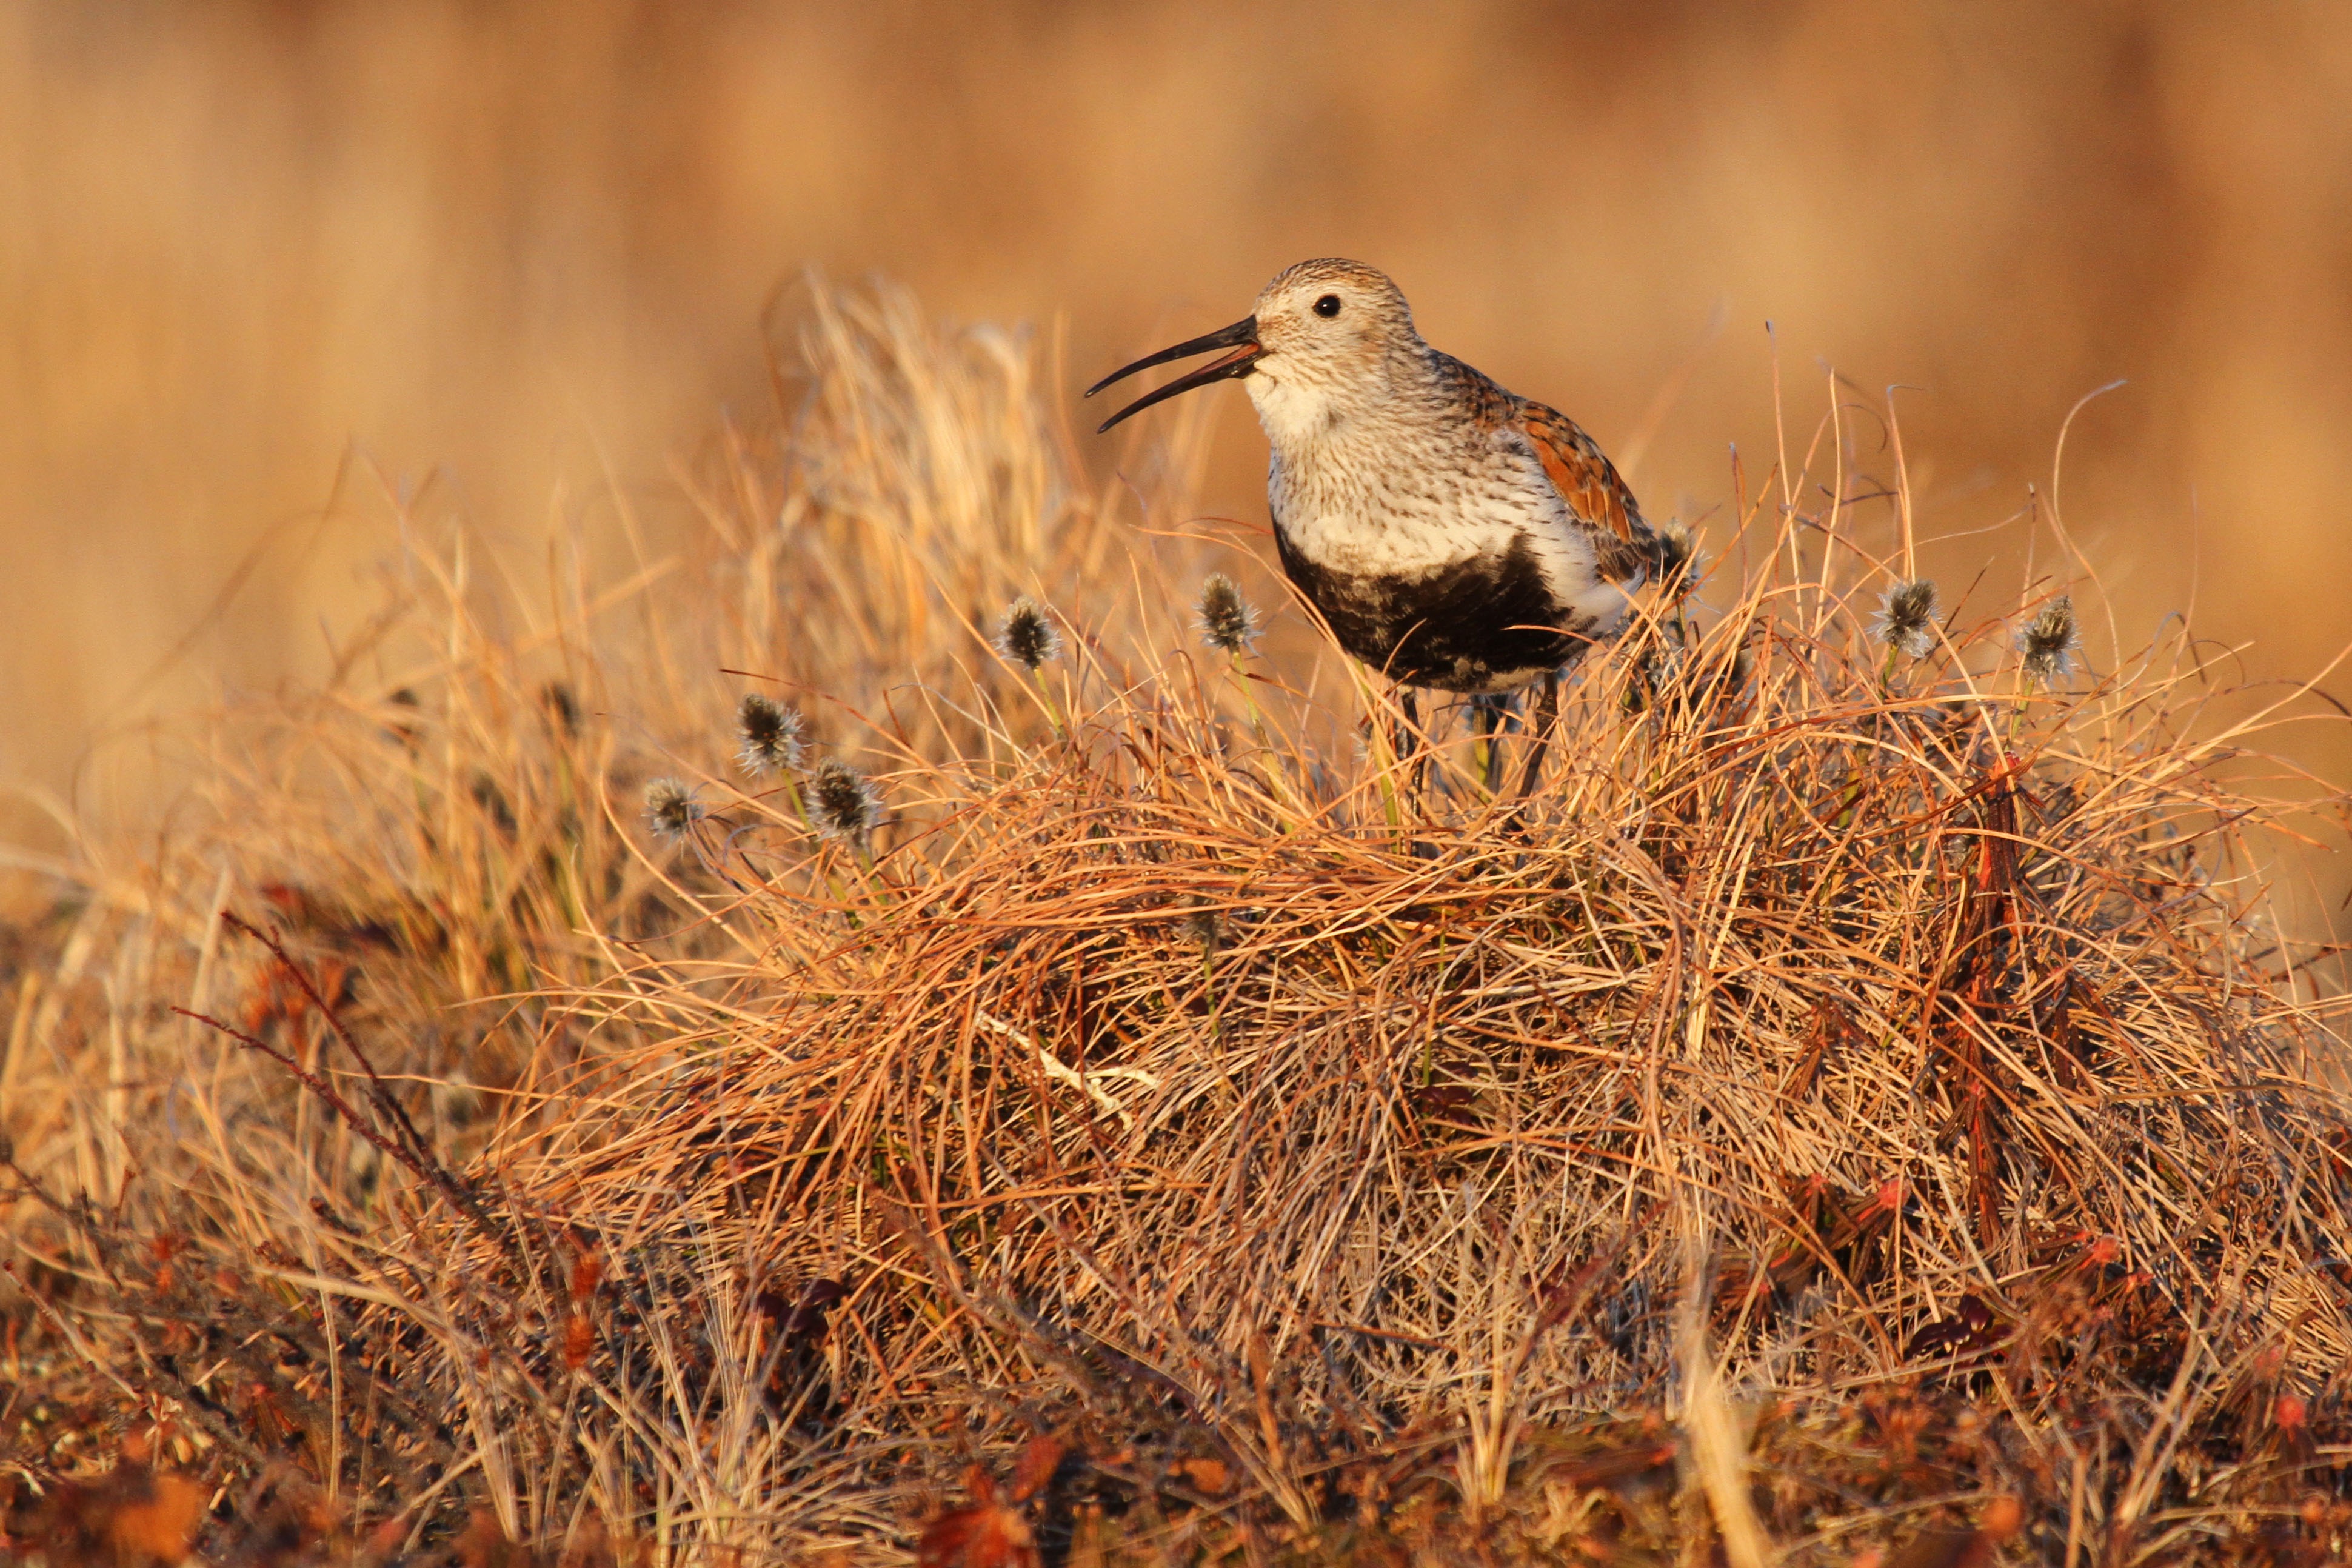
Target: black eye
[{"x": 1327, "y": 306}]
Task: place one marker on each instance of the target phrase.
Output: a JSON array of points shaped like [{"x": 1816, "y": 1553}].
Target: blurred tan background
[{"x": 253, "y": 258}]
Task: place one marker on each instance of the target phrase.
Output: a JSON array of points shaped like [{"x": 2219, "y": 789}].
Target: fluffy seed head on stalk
[
  {"x": 1906, "y": 617},
  {"x": 1680, "y": 560},
  {"x": 402, "y": 726},
  {"x": 770, "y": 735},
  {"x": 671, "y": 808},
  {"x": 1657, "y": 669},
  {"x": 1029, "y": 637},
  {"x": 843, "y": 802},
  {"x": 1228, "y": 621},
  {"x": 563, "y": 707},
  {"x": 2050, "y": 640}
]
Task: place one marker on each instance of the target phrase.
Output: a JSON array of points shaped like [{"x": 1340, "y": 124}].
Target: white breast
[{"x": 1394, "y": 500}]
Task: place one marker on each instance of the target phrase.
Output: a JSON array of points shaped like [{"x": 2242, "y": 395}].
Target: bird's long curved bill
[{"x": 1241, "y": 338}]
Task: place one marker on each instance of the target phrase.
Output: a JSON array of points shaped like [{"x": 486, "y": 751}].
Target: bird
[{"x": 1452, "y": 535}]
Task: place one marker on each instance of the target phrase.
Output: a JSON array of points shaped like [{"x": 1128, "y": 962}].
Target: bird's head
[{"x": 1321, "y": 339}]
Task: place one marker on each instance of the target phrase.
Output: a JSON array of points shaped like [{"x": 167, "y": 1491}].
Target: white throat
[{"x": 1298, "y": 416}]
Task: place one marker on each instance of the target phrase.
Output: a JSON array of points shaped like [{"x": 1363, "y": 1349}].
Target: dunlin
[{"x": 1452, "y": 534}]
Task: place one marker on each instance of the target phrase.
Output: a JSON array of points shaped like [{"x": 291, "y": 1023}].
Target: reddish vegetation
[{"x": 1855, "y": 1108}]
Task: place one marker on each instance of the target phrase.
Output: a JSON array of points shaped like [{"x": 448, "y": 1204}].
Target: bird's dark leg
[
  {"x": 1405, "y": 739},
  {"x": 1487, "y": 712},
  {"x": 1546, "y": 714}
]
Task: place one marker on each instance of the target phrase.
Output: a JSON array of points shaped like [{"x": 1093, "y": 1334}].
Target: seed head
[
  {"x": 1228, "y": 622},
  {"x": 1029, "y": 637},
  {"x": 770, "y": 735},
  {"x": 1906, "y": 617},
  {"x": 1730, "y": 677},
  {"x": 2050, "y": 640},
  {"x": 563, "y": 707},
  {"x": 843, "y": 802},
  {"x": 402, "y": 726},
  {"x": 1680, "y": 560},
  {"x": 1657, "y": 670},
  {"x": 671, "y": 808}
]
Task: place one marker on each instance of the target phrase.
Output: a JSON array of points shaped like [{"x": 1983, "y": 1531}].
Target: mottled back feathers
[{"x": 1598, "y": 498}]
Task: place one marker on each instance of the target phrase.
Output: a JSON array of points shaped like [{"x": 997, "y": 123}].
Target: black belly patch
[{"x": 1482, "y": 624}]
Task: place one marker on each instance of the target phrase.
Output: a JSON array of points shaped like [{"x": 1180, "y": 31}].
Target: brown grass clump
[{"x": 1106, "y": 1103}]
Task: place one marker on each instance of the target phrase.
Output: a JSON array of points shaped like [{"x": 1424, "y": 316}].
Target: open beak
[{"x": 1241, "y": 338}]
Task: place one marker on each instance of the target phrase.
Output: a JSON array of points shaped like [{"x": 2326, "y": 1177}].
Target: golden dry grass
[
  {"x": 1861, "y": 1097},
  {"x": 257, "y": 253}
]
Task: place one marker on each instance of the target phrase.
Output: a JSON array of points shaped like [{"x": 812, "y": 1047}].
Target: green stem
[{"x": 1053, "y": 709}]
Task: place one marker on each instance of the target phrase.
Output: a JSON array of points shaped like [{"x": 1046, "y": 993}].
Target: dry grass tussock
[{"x": 1121, "y": 1110}]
